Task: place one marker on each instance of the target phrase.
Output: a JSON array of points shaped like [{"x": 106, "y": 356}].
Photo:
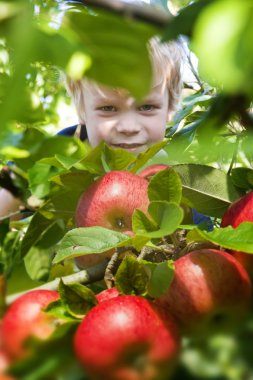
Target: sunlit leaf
[
  {"x": 238, "y": 239},
  {"x": 81, "y": 241}
]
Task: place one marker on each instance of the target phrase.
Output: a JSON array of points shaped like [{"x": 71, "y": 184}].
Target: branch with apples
[{"x": 170, "y": 280}]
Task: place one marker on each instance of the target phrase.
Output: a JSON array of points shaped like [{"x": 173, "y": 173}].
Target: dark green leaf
[
  {"x": 131, "y": 277},
  {"x": 10, "y": 251},
  {"x": 77, "y": 298},
  {"x": 242, "y": 177},
  {"x": 58, "y": 310},
  {"x": 184, "y": 22},
  {"x": 208, "y": 189},
  {"x": 43, "y": 230}
]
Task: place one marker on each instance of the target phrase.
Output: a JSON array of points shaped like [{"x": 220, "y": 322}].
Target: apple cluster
[{"x": 130, "y": 337}]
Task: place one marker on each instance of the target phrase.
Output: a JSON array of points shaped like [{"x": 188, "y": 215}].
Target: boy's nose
[{"x": 128, "y": 125}]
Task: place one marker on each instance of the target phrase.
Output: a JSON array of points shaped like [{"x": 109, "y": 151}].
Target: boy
[{"x": 113, "y": 116}]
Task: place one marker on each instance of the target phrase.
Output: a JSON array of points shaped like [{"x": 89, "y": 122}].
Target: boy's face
[{"x": 116, "y": 118}]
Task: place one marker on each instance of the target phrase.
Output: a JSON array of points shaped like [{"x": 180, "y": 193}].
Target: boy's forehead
[{"x": 102, "y": 91}]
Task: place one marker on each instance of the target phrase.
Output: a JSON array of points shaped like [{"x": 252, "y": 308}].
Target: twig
[
  {"x": 140, "y": 11},
  {"x": 191, "y": 65},
  {"x": 108, "y": 277},
  {"x": 87, "y": 276},
  {"x": 144, "y": 252},
  {"x": 235, "y": 153}
]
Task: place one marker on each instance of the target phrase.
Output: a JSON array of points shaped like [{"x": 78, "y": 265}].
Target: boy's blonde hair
[{"x": 166, "y": 60}]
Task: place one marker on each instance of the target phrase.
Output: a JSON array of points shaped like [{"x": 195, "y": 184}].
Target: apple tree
[{"x": 207, "y": 162}]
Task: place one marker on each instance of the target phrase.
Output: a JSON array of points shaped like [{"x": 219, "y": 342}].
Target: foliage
[{"x": 209, "y": 145}]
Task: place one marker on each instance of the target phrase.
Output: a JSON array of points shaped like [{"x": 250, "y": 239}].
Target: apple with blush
[
  {"x": 151, "y": 170},
  {"x": 210, "y": 293},
  {"x": 110, "y": 202},
  {"x": 127, "y": 338},
  {"x": 107, "y": 294},
  {"x": 24, "y": 318},
  {"x": 238, "y": 212}
]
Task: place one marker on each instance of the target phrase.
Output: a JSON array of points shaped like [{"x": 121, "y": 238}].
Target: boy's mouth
[{"x": 127, "y": 146}]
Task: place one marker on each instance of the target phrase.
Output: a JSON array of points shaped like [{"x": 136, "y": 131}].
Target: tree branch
[
  {"x": 87, "y": 276},
  {"x": 139, "y": 11}
]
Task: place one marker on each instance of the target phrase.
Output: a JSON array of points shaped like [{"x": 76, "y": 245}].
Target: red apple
[
  {"x": 238, "y": 212},
  {"x": 107, "y": 294},
  {"x": 151, "y": 170},
  {"x": 25, "y": 318},
  {"x": 110, "y": 202},
  {"x": 125, "y": 338},
  {"x": 210, "y": 292}
]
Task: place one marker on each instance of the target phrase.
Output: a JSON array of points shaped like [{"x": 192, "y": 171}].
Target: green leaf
[
  {"x": 238, "y": 239},
  {"x": 42, "y": 229},
  {"x": 77, "y": 298},
  {"x": 165, "y": 186},
  {"x": 46, "y": 148},
  {"x": 168, "y": 217},
  {"x": 226, "y": 60},
  {"x": 115, "y": 50},
  {"x": 39, "y": 257},
  {"x": 10, "y": 251},
  {"x": 141, "y": 224},
  {"x": 149, "y": 154},
  {"x": 38, "y": 263},
  {"x": 83, "y": 241},
  {"x": 61, "y": 207},
  {"x": 66, "y": 162},
  {"x": 131, "y": 277},
  {"x": 242, "y": 177},
  {"x": 39, "y": 176},
  {"x": 138, "y": 242},
  {"x": 58, "y": 310},
  {"x": 92, "y": 161},
  {"x": 118, "y": 159},
  {"x": 160, "y": 277},
  {"x": 77, "y": 181},
  {"x": 209, "y": 190}
]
